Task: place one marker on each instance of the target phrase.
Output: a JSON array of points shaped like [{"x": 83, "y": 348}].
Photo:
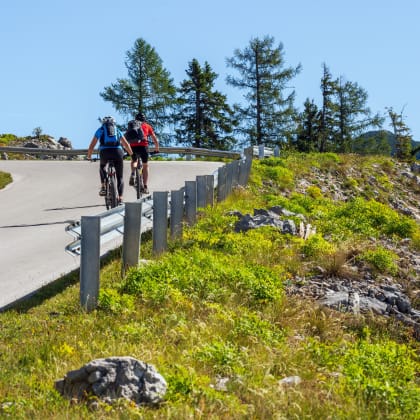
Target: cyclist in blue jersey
[{"x": 111, "y": 143}]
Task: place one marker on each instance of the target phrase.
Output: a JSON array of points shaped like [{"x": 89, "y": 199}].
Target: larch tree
[
  {"x": 268, "y": 114},
  {"x": 403, "y": 137},
  {"x": 203, "y": 118},
  {"x": 148, "y": 87}
]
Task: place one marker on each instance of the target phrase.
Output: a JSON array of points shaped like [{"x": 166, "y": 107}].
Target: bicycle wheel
[
  {"x": 138, "y": 182},
  {"x": 107, "y": 193},
  {"x": 113, "y": 192}
]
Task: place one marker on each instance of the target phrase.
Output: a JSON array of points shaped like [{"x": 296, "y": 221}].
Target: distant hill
[{"x": 390, "y": 137}]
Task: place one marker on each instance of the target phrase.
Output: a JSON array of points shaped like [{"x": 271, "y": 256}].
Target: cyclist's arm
[
  {"x": 126, "y": 145},
  {"x": 91, "y": 147},
  {"x": 155, "y": 141}
]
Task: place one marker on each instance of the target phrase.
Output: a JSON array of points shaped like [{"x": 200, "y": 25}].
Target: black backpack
[
  {"x": 134, "y": 133},
  {"x": 109, "y": 133}
]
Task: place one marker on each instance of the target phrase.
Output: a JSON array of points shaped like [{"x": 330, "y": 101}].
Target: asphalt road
[{"x": 44, "y": 198}]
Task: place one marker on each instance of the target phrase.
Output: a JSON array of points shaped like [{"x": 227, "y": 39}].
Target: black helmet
[{"x": 140, "y": 117}]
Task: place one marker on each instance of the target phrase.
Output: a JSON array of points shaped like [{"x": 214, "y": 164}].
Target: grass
[{"x": 214, "y": 310}]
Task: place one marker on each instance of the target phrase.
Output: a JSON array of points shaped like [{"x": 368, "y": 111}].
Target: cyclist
[
  {"x": 140, "y": 150},
  {"x": 111, "y": 143}
]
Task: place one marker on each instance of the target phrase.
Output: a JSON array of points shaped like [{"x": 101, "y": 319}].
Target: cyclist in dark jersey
[
  {"x": 140, "y": 150},
  {"x": 107, "y": 152}
]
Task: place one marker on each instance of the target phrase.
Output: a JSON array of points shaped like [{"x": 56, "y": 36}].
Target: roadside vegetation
[
  {"x": 214, "y": 316},
  {"x": 5, "y": 179}
]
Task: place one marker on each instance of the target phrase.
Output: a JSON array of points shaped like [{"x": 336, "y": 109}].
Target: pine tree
[
  {"x": 148, "y": 88},
  {"x": 203, "y": 118},
  {"x": 403, "y": 137},
  {"x": 308, "y": 129},
  {"x": 268, "y": 115}
]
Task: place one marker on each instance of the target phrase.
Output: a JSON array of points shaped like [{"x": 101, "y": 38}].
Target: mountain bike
[{"x": 111, "y": 186}]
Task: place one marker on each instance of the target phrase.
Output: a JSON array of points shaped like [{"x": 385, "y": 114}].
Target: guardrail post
[
  {"x": 235, "y": 173},
  {"x": 249, "y": 154},
  {"x": 132, "y": 235},
  {"x": 160, "y": 222},
  {"x": 276, "y": 151},
  {"x": 221, "y": 183},
  {"x": 242, "y": 172},
  {"x": 201, "y": 191},
  {"x": 261, "y": 151},
  {"x": 90, "y": 261},
  {"x": 209, "y": 190},
  {"x": 177, "y": 213},
  {"x": 229, "y": 178},
  {"x": 191, "y": 202}
]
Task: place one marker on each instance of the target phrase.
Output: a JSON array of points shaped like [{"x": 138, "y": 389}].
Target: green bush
[
  {"x": 316, "y": 246},
  {"x": 383, "y": 375},
  {"x": 381, "y": 259},
  {"x": 273, "y": 169},
  {"x": 366, "y": 217},
  {"x": 203, "y": 275}
]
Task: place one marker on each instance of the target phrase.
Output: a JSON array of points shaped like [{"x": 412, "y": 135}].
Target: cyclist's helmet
[
  {"x": 108, "y": 119},
  {"x": 140, "y": 117}
]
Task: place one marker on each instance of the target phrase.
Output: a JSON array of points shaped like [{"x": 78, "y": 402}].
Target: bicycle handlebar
[{"x": 149, "y": 153}]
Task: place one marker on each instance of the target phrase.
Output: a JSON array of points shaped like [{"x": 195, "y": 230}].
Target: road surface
[{"x": 44, "y": 198}]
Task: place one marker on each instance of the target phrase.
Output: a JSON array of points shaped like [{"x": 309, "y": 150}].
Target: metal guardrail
[
  {"x": 112, "y": 225},
  {"x": 112, "y": 222},
  {"x": 82, "y": 152}
]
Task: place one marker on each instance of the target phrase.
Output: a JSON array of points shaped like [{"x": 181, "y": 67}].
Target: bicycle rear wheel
[
  {"x": 138, "y": 183},
  {"x": 111, "y": 197}
]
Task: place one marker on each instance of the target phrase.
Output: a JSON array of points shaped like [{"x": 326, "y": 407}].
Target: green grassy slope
[{"x": 214, "y": 316}]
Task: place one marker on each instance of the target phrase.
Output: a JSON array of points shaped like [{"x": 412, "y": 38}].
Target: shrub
[
  {"x": 381, "y": 259},
  {"x": 314, "y": 192},
  {"x": 316, "y": 246}
]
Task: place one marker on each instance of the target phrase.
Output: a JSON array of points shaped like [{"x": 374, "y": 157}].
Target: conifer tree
[
  {"x": 268, "y": 114},
  {"x": 203, "y": 117},
  {"x": 327, "y": 123},
  {"x": 308, "y": 129},
  {"x": 148, "y": 88},
  {"x": 353, "y": 116},
  {"x": 403, "y": 137}
]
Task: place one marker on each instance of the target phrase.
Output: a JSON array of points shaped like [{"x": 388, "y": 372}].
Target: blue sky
[{"x": 56, "y": 57}]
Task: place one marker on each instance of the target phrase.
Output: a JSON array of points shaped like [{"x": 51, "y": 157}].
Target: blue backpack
[{"x": 109, "y": 133}]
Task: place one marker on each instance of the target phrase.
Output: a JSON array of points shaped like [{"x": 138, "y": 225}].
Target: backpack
[
  {"x": 109, "y": 133},
  {"x": 134, "y": 133}
]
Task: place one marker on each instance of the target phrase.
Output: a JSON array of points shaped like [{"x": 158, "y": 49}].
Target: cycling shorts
[{"x": 141, "y": 152}]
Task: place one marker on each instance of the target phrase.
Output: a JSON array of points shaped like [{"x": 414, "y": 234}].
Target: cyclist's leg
[
  {"x": 103, "y": 159},
  {"x": 134, "y": 163},
  {"x": 119, "y": 170}
]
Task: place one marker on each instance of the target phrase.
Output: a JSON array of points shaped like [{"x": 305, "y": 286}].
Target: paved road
[{"x": 44, "y": 198}]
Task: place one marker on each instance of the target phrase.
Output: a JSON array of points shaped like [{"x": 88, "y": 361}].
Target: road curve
[{"x": 44, "y": 197}]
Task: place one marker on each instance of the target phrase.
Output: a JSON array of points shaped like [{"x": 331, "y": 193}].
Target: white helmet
[{"x": 108, "y": 119}]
